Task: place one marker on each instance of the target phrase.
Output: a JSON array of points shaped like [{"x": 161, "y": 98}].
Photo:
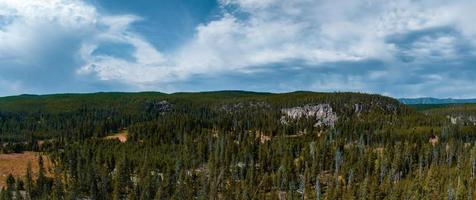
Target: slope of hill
[
  {"x": 136, "y": 102},
  {"x": 87, "y": 115},
  {"x": 456, "y": 113}
]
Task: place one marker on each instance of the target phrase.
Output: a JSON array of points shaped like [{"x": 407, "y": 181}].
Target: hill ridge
[{"x": 432, "y": 100}]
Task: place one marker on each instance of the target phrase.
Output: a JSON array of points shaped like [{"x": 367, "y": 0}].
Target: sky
[{"x": 400, "y": 48}]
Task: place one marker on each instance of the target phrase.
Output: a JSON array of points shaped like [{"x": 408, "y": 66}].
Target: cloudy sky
[{"x": 402, "y": 48}]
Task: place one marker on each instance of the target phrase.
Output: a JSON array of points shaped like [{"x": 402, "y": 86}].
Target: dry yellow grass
[
  {"x": 16, "y": 165},
  {"x": 121, "y": 136}
]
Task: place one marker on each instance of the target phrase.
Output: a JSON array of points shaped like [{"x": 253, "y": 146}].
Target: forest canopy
[{"x": 238, "y": 145}]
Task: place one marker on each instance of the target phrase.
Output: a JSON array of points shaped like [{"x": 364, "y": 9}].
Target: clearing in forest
[
  {"x": 16, "y": 164},
  {"x": 121, "y": 136}
]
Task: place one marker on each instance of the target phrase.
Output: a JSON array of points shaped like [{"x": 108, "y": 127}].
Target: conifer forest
[{"x": 238, "y": 145}]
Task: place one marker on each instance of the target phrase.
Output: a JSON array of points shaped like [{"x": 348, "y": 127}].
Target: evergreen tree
[
  {"x": 58, "y": 189},
  {"x": 29, "y": 186}
]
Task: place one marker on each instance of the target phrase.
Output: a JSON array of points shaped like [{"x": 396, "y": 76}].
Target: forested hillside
[
  {"x": 237, "y": 145},
  {"x": 429, "y": 100}
]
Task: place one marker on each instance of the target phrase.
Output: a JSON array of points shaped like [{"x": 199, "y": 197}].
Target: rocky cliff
[{"x": 322, "y": 113}]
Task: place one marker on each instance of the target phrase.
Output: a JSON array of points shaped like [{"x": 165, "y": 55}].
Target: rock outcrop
[
  {"x": 359, "y": 108},
  {"x": 462, "y": 119},
  {"x": 243, "y": 105},
  {"x": 322, "y": 113},
  {"x": 159, "y": 106}
]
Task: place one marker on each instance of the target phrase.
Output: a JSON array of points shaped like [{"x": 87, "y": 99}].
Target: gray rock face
[
  {"x": 359, "y": 108},
  {"x": 461, "y": 119},
  {"x": 159, "y": 106},
  {"x": 322, "y": 113},
  {"x": 242, "y": 105}
]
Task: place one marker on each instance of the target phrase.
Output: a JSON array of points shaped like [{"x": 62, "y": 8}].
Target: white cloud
[
  {"x": 254, "y": 32},
  {"x": 433, "y": 48},
  {"x": 250, "y": 36},
  {"x": 31, "y": 29},
  {"x": 148, "y": 65},
  {"x": 340, "y": 82}
]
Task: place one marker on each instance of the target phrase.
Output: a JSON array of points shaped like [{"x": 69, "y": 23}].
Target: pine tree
[
  {"x": 29, "y": 182},
  {"x": 318, "y": 188},
  {"x": 10, "y": 182},
  {"x": 18, "y": 195},
  {"x": 41, "y": 182},
  {"x": 122, "y": 182},
  {"x": 4, "y": 194},
  {"x": 10, "y": 187},
  {"x": 58, "y": 192},
  {"x": 19, "y": 186}
]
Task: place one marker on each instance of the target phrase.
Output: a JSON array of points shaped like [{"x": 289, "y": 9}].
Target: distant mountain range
[{"x": 430, "y": 100}]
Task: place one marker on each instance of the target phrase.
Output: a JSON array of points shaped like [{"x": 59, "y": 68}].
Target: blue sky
[{"x": 401, "y": 48}]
